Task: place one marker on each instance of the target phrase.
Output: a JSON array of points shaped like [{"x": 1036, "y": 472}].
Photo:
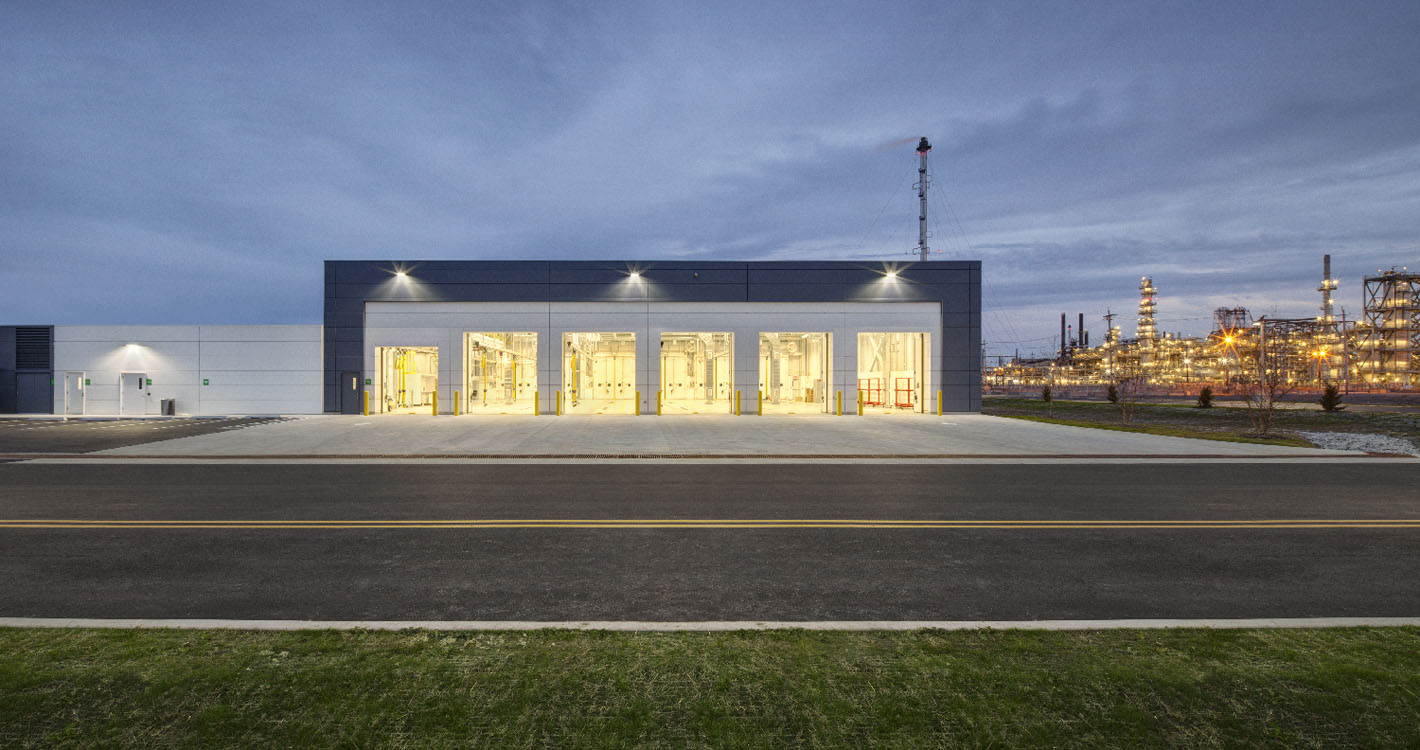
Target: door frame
[
  {"x": 358, "y": 387},
  {"x": 83, "y": 392},
  {"x": 122, "y": 394}
]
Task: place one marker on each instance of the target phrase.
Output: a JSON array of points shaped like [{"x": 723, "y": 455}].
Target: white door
[
  {"x": 133, "y": 395},
  {"x": 73, "y": 393}
]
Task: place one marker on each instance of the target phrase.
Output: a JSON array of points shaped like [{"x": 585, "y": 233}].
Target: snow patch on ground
[{"x": 1360, "y": 441}]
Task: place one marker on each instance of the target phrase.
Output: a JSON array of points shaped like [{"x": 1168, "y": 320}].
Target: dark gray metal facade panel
[
  {"x": 798, "y": 276},
  {"x": 955, "y": 285},
  {"x": 7, "y": 348},
  {"x": 34, "y": 392},
  {"x": 7, "y": 391},
  {"x": 26, "y": 369},
  {"x": 795, "y": 293}
]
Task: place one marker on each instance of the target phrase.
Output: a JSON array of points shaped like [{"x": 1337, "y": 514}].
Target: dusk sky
[{"x": 186, "y": 163}]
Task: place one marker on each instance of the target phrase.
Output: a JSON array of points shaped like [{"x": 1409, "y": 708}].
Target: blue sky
[{"x": 194, "y": 162}]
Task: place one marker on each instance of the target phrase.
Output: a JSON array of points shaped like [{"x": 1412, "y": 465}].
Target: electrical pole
[{"x": 922, "y": 148}]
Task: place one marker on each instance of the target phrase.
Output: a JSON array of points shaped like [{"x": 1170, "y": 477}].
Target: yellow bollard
[
  {"x": 638, "y": 403},
  {"x": 737, "y": 403},
  {"x": 759, "y": 404},
  {"x": 434, "y": 404},
  {"x": 860, "y": 403},
  {"x": 456, "y": 403},
  {"x": 537, "y": 404},
  {"x": 367, "y": 403},
  {"x": 658, "y": 403},
  {"x": 839, "y": 408},
  {"x": 559, "y": 404},
  {"x": 939, "y": 403}
]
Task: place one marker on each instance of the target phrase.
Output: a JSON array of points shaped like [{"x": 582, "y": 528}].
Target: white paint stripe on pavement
[
  {"x": 338, "y": 460},
  {"x": 712, "y": 625}
]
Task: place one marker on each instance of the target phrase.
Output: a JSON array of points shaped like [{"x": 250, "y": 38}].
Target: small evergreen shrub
[
  {"x": 1205, "y": 398},
  {"x": 1112, "y": 393},
  {"x": 1045, "y": 394},
  {"x": 1331, "y": 398}
]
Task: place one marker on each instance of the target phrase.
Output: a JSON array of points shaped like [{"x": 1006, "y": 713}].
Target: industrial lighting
[
  {"x": 892, "y": 274},
  {"x": 635, "y": 275},
  {"x": 400, "y": 274}
]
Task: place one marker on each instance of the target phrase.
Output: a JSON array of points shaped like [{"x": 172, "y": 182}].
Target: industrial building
[
  {"x": 482, "y": 338},
  {"x": 1381, "y": 351}
]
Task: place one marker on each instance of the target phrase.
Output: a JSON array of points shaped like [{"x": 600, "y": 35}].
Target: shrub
[
  {"x": 1205, "y": 398},
  {"x": 1331, "y": 398},
  {"x": 1112, "y": 393}
]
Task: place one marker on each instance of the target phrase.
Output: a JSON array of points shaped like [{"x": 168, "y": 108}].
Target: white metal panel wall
[
  {"x": 249, "y": 369},
  {"x": 443, "y": 324}
]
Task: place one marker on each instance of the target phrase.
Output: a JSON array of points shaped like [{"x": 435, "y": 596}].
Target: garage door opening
[
  {"x": 406, "y": 379},
  {"x": 500, "y": 373},
  {"x": 599, "y": 373},
  {"x": 697, "y": 373},
  {"x": 794, "y": 372},
  {"x": 892, "y": 372}
]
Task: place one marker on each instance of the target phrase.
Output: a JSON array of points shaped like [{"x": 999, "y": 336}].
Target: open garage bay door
[
  {"x": 892, "y": 372},
  {"x": 794, "y": 372},
  {"x": 599, "y": 373},
  {"x": 500, "y": 373},
  {"x": 697, "y": 370},
  {"x": 408, "y": 378}
]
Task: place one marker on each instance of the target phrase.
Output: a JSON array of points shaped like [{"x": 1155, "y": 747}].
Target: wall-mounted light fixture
[{"x": 635, "y": 275}]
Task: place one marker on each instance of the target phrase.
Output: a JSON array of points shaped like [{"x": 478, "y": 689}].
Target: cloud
[{"x": 228, "y": 150}]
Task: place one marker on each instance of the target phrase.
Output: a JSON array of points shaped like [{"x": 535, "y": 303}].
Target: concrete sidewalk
[{"x": 703, "y": 435}]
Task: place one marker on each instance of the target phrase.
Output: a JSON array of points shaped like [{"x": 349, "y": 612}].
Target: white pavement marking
[
  {"x": 484, "y": 460},
  {"x": 714, "y": 625}
]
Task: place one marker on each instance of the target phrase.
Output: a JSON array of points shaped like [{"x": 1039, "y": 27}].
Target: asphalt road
[
  {"x": 84, "y": 435},
  {"x": 1080, "y": 567}
]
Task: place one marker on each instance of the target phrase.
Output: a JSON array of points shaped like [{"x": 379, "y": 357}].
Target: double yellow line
[{"x": 680, "y": 523}]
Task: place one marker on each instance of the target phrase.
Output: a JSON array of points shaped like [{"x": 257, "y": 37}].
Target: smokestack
[
  {"x": 1064, "y": 342},
  {"x": 1080, "y": 332}
]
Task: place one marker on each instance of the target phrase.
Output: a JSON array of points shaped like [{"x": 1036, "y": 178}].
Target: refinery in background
[{"x": 1378, "y": 352}]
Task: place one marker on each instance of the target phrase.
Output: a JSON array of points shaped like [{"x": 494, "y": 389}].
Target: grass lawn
[
  {"x": 1217, "y": 423},
  {"x": 1356, "y": 687}
]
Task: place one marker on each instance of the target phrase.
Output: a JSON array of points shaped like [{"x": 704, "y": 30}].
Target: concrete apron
[{"x": 698, "y": 436}]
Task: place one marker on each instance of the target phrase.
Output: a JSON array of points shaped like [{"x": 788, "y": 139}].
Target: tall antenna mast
[{"x": 922, "y": 148}]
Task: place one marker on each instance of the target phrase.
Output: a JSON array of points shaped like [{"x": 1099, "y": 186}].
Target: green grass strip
[
  {"x": 1354, "y": 687},
  {"x": 1183, "y": 432}
]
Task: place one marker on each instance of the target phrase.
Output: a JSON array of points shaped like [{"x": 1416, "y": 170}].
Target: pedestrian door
[
  {"x": 133, "y": 394},
  {"x": 352, "y": 397},
  {"x": 73, "y": 393}
]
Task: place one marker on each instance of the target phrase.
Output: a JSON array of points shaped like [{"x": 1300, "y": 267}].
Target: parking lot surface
[{"x": 85, "y": 435}]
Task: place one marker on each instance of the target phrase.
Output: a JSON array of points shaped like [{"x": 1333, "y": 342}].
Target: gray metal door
[
  {"x": 34, "y": 393},
  {"x": 73, "y": 393},
  {"x": 351, "y": 394},
  {"x": 133, "y": 395}
]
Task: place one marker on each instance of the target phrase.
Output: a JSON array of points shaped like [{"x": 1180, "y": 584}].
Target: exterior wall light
[
  {"x": 635, "y": 275},
  {"x": 892, "y": 274},
  {"x": 400, "y": 274}
]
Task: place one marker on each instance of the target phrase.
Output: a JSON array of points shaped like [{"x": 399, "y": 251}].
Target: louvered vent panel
[{"x": 32, "y": 347}]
